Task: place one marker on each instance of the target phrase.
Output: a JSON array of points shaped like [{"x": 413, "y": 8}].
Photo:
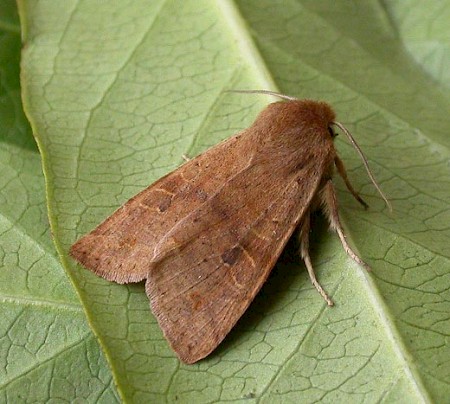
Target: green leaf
[
  {"x": 117, "y": 92},
  {"x": 47, "y": 350}
]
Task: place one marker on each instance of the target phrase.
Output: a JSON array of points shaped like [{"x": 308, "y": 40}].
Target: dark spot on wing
[
  {"x": 164, "y": 203},
  {"x": 231, "y": 256}
]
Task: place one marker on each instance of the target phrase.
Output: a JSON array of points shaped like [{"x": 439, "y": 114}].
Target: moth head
[
  {"x": 314, "y": 114},
  {"x": 317, "y": 113}
]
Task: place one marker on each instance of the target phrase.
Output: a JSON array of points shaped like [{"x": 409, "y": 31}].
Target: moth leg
[
  {"x": 304, "y": 252},
  {"x": 185, "y": 158},
  {"x": 329, "y": 202},
  {"x": 343, "y": 173}
]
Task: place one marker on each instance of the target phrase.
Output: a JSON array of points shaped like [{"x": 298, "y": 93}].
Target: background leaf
[
  {"x": 47, "y": 350},
  {"x": 118, "y": 92}
]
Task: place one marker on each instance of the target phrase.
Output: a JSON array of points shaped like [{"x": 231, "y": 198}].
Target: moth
[{"x": 206, "y": 236}]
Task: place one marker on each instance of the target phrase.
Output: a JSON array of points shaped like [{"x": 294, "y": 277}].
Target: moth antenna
[
  {"x": 268, "y": 92},
  {"x": 364, "y": 160}
]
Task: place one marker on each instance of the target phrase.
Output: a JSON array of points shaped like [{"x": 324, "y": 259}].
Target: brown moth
[{"x": 206, "y": 236}]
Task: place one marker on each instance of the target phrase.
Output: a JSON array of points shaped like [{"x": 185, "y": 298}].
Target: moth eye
[{"x": 332, "y": 132}]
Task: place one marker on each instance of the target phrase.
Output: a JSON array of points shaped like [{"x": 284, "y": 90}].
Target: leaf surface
[{"x": 118, "y": 92}]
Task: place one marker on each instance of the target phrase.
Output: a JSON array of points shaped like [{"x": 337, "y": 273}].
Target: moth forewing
[
  {"x": 200, "y": 289},
  {"x": 121, "y": 248}
]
